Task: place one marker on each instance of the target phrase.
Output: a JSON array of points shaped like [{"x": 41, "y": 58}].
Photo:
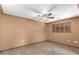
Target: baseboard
[{"x": 63, "y": 44}]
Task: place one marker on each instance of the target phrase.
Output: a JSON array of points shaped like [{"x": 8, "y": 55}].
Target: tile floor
[{"x": 42, "y": 48}]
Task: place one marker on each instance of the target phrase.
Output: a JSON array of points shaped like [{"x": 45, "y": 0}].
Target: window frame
[{"x": 64, "y": 27}]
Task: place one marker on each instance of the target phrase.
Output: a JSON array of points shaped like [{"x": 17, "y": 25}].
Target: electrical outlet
[
  {"x": 23, "y": 41},
  {"x": 76, "y": 42},
  {"x": 68, "y": 40}
]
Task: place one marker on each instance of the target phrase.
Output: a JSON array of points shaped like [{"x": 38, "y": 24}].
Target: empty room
[{"x": 39, "y": 29}]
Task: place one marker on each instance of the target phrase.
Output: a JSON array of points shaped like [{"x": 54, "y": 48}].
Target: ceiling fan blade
[
  {"x": 34, "y": 10},
  {"x": 51, "y": 17},
  {"x": 52, "y": 8},
  {"x": 37, "y": 18}
]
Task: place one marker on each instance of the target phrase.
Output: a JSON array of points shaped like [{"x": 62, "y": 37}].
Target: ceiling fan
[{"x": 44, "y": 16}]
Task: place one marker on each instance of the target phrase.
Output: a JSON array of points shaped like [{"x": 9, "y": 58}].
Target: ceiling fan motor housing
[
  {"x": 49, "y": 14},
  {"x": 46, "y": 15}
]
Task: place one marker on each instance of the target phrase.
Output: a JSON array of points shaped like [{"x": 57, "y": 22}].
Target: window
[
  {"x": 67, "y": 27},
  {"x": 57, "y": 28},
  {"x": 62, "y": 27}
]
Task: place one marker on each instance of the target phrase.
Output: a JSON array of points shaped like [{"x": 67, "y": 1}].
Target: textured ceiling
[{"x": 60, "y": 11}]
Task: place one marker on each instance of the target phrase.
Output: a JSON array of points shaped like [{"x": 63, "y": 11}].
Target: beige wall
[
  {"x": 17, "y": 31},
  {"x": 64, "y": 37}
]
